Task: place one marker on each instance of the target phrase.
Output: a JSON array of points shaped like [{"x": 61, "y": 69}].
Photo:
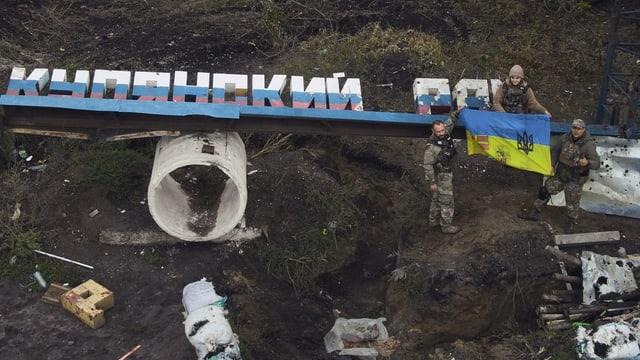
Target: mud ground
[
  {"x": 483, "y": 280},
  {"x": 479, "y": 287}
]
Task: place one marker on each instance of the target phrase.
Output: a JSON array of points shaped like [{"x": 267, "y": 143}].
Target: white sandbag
[
  {"x": 206, "y": 325},
  {"x": 208, "y": 330},
  {"x": 199, "y": 294}
]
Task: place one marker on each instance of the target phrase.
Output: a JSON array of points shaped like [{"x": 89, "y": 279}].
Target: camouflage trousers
[
  {"x": 442, "y": 200},
  {"x": 572, "y": 194}
]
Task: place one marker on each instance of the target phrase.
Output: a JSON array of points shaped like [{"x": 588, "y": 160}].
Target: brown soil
[{"x": 444, "y": 296}]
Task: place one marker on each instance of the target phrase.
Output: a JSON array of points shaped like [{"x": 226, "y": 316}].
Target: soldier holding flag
[{"x": 574, "y": 155}]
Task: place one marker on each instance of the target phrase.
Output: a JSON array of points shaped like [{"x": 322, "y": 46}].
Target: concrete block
[
  {"x": 88, "y": 301},
  {"x": 472, "y": 93},
  {"x": 432, "y": 96}
]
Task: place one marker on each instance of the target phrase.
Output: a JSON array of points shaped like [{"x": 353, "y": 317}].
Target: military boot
[
  {"x": 532, "y": 215},
  {"x": 450, "y": 229}
]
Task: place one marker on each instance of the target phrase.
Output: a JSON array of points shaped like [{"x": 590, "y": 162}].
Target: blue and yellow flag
[{"x": 521, "y": 141}]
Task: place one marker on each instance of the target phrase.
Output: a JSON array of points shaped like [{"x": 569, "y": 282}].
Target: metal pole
[
  {"x": 604, "y": 83},
  {"x": 64, "y": 259}
]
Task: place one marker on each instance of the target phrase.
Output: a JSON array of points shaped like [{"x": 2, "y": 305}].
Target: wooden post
[
  {"x": 570, "y": 317},
  {"x": 567, "y": 278},
  {"x": 558, "y": 324},
  {"x": 563, "y": 270},
  {"x": 570, "y": 309},
  {"x": 559, "y": 298},
  {"x": 562, "y": 255}
]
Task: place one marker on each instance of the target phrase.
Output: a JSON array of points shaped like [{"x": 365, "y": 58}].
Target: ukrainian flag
[{"x": 521, "y": 141}]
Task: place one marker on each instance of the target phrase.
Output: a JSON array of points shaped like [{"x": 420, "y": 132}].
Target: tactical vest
[
  {"x": 447, "y": 152},
  {"x": 513, "y": 97},
  {"x": 568, "y": 167}
]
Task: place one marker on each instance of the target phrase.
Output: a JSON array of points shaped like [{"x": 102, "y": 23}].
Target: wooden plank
[
  {"x": 563, "y": 270},
  {"x": 563, "y": 256},
  {"x": 558, "y": 324},
  {"x": 567, "y": 278},
  {"x": 572, "y": 293},
  {"x": 54, "y": 293},
  {"x": 570, "y": 309},
  {"x": 55, "y": 133},
  {"x": 570, "y": 317},
  {"x": 143, "y": 134},
  {"x": 565, "y": 298},
  {"x": 603, "y": 237}
]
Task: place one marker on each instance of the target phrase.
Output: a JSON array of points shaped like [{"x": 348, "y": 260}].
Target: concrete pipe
[{"x": 198, "y": 186}]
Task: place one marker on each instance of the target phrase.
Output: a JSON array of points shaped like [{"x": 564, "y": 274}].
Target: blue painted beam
[{"x": 236, "y": 113}]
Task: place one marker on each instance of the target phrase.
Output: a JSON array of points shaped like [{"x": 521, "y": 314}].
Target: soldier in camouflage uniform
[
  {"x": 515, "y": 95},
  {"x": 438, "y": 155},
  {"x": 573, "y": 155}
]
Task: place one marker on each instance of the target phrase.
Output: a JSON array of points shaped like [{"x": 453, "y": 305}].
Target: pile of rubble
[{"x": 599, "y": 297}]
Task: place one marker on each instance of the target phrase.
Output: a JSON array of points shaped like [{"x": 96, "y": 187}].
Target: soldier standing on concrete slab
[
  {"x": 438, "y": 155},
  {"x": 573, "y": 155}
]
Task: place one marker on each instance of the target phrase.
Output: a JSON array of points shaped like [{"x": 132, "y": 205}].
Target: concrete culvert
[{"x": 198, "y": 186}]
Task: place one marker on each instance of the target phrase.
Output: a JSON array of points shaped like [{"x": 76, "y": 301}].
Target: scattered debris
[
  {"x": 130, "y": 352},
  {"x": 16, "y": 212},
  {"x": 64, "y": 259},
  {"x": 242, "y": 234},
  {"x": 363, "y": 339},
  {"x": 601, "y": 299},
  {"x": 94, "y": 212},
  {"x": 595, "y": 285},
  {"x": 613, "y": 340},
  {"x": 88, "y": 301},
  {"x": 206, "y": 325},
  {"x": 39, "y": 167},
  {"x": 54, "y": 294},
  {"x": 39, "y": 279},
  {"x": 265, "y": 230},
  {"x": 136, "y": 237}
]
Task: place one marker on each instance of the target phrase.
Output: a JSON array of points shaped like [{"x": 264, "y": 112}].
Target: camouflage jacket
[
  {"x": 433, "y": 159},
  {"x": 517, "y": 99},
  {"x": 567, "y": 152}
]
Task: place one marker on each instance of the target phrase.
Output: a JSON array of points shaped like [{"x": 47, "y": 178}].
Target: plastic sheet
[{"x": 355, "y": 331}]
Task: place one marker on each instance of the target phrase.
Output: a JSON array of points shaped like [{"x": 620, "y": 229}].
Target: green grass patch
[
  {"x": 414, "y": 285},
  {"x": 19, "y": 260},
  {"x": 367, "y": 51},
  {"x": 154, "y": 256},
  {"x": 324, "y": 246},
  {"x": 118, "y": 170}
]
